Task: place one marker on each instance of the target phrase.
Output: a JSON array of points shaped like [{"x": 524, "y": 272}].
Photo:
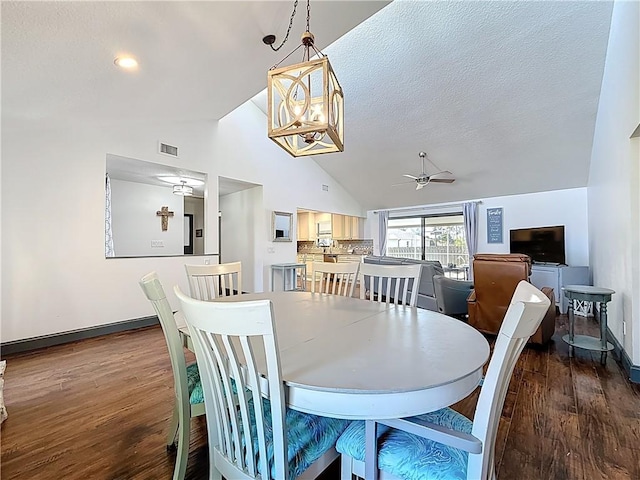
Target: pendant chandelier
[
  {"x": 183, "y": 189},
  {"x": 305, "y": 100}
]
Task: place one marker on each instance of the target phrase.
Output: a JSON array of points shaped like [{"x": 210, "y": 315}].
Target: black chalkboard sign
[{"x": 494, "y": 225}]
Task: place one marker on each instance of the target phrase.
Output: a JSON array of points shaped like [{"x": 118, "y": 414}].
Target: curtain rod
[{"x": 428, "y": 207}]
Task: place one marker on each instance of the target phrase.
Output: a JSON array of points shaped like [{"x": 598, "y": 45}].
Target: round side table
[{"x": 587, "y": 293}]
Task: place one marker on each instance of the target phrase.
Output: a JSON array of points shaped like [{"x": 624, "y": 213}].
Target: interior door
[{"x": 188, "y": 234}]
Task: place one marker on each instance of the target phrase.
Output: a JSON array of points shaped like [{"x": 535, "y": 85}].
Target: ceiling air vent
[
  {"x": 168, "y": 149},
  {"x": 325, "y": 188}
]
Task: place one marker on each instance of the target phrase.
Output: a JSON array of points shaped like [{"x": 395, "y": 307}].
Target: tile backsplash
[{"x": 354, "y": 247}]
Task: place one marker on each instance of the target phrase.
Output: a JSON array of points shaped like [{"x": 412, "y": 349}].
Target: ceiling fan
[{"x": 443, "y": 176}]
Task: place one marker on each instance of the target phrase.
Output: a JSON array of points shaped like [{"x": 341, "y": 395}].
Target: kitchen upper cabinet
[
  {"x": 303, "y": 219},
  {"x": 348, "y": 227},
  {"x": 342, "y": 227},
  {"x": 357, "y": 228},
  {"x": 337, "y": 227},
  {"x": 306, "y": 226}
]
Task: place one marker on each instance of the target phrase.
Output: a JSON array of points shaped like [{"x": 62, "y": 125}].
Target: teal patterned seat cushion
[
  {"x": 411, "y": 457},
  {"x": 194, "y": 385},
  {"x": 308, "y": 437}
]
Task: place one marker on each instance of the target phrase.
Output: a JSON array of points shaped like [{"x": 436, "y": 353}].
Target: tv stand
[{"x": 557, "y": 276}]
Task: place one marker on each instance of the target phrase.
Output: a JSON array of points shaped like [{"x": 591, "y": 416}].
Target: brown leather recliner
[{"x": 495, "y": 277}]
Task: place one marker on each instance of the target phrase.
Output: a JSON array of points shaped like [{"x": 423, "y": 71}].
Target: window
[{"x": 438, "y": 237}]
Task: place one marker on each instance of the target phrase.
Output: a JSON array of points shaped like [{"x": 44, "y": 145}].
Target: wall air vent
[{"x": 168, "y": 149}]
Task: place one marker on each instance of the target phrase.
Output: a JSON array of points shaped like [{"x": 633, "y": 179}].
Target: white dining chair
[
  {"x": 445, "y": 444},
  {"x": 251, "y": 433},
  {"x": 189, "y": 400},
  {"x": 208, "y": 282},
  {"x": 397, "y": 284},
  {"x": 334, "y": 278}
]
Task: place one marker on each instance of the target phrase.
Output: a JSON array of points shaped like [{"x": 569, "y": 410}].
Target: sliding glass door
[
  {"x": 434, "y": 237},
  {"x": 405, "y": 238}
]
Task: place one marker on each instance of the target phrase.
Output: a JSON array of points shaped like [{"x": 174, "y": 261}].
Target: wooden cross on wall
[{"x": 165, "y": 214}]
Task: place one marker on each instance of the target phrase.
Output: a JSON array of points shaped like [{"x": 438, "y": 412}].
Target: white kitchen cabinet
[
  {"x": 308, "y": 259},
  {"x": 341, "y": 227},
  {"x": 557, "y": 277},
  {"x": 306, "y": 226},
  {"x": 357, "y": 228},
  {"x": 303, "y": 220},
  {"x": 338, "y": 222},
  {"x": 346, "y": 227}
]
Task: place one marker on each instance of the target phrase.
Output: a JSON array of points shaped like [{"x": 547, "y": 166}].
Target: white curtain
[
  {"x": 383, "y": 221},
  {"x": 108, "y": 233},
  {"x": 470, "y": 215}
]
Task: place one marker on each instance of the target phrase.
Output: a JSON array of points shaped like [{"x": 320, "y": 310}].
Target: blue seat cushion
[
  {"x": 194, "y": 385},
  {"x": 411, "y": 457},
  {"x": 308, "y": 437}
]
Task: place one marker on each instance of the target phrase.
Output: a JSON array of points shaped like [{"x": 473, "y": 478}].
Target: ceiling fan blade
[
  {"x": 410, "y": 176},
  {"x": 420, "y": 186},
  {"x": 443, "y": 173},
  {"x": 400, "y": 184},
  {"x": 442, "y": 180}
]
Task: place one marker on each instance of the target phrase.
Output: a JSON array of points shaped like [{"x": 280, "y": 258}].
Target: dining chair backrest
[
  {"x": 334, "y": 278},
  {"x": 526, "y": 310},
  {"x": 183, "y": 410},
  {"x": 396, "y": 284},
  {"x": 208, "y": 282},
  {"x": 231, "y": 340},
  {"x": 408, "y": 455}
]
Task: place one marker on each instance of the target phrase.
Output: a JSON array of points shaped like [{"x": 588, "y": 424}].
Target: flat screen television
[{"x": 542, "y": 244}]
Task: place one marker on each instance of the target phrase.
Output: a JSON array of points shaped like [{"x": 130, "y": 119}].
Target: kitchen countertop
[{"x": 320, "y": 252}]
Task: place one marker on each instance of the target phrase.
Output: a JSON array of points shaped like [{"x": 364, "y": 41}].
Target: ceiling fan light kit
[{"x": 305, "y": 103}]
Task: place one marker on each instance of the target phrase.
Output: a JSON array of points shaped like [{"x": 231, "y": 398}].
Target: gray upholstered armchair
[{"x": 451, "y": 295}]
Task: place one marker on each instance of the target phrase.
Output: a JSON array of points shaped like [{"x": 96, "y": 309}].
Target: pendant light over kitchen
[{"x": 305, "y": 100}]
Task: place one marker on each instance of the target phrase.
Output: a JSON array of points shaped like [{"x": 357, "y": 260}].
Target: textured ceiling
[
  {"x": 503, "y": 94},
  {"x": 198, "y": 60}
]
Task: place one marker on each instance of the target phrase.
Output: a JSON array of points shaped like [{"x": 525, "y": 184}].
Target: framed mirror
[{"x": 281, "y": 226}]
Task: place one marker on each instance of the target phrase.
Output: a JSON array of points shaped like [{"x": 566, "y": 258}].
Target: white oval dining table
[{"x": 349, "y": 358}]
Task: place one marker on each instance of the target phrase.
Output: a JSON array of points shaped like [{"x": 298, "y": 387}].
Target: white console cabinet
[{"x": 557, "y": 277}]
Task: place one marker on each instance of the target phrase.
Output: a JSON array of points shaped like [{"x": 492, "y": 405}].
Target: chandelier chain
[
  {"x": 308, "y": 13},
  {"x": 293, "y": 14}
]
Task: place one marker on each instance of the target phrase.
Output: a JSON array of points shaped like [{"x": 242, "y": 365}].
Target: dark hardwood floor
[{"x": 99, "y": 409}]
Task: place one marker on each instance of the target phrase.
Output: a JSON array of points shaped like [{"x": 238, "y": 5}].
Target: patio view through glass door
[{"x": 438, "y": 237}]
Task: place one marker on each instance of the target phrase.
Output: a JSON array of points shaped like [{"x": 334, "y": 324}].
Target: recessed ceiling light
[{"x": 128, "y": 63}]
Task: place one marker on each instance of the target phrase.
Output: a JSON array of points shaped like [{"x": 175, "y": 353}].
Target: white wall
[
  {"x": 241, "y": 228},
  {"x": 543, "y": 209},
  {"x": 135, "y": 223},
  {"x": 245, "y": 153},
  {"x": 55, "y": 277},
  {"x": 614, "y": 208}
]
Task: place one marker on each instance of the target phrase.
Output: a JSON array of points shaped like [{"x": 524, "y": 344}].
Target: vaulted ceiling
[{"x": 502, "y": 94}]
